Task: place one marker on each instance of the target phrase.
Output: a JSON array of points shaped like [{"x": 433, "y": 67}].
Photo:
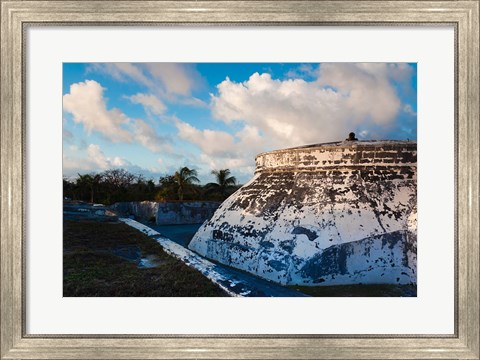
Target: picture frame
[{"x": 16, "y": 17}]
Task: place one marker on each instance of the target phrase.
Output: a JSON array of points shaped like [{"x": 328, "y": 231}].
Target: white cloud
[
  {"x": 132, "y": 71},
  {"x": 235, "y": 164},
  {"x": 172, "y": 82},
  {"x": 399, "y": 71},
  {"x": 241, "y": 168},
  {"x": 304, "y": 70},
  {"x": 294, "y": 112},
  {"x": 250, "y": 136},
  {"x": 150, "y": 102},
  {"x": 211, "y": 142},
  {"x": 96, "y": 155},
  {"x": 366, "y": 89},
  {"x": 221, "y": 150},
  {"x": 95, "y": 160},
  {"x": 191, "y": 101},
  {"x": 72, "y": 166},
  {"x": 148, "y": 137},
  {"x": 121, "y": 71},
  {"x": 171, "y": 78},
  {"x": 176, "y": 78},
  {"x": 86, "y": 103}
]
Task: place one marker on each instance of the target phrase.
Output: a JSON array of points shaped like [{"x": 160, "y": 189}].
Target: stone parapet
[
  {"x": 168, "y": 212},
  {"x": 346, "y": 154}
]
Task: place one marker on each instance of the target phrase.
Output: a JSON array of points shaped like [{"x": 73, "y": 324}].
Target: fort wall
[
  {"x": 326, "y": 214},
  {"x": 168, "y": 212},
  {"x": 354, "y": 155}
]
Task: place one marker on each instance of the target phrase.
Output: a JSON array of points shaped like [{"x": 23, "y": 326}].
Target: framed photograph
[
  {"x": 260, "y": 179},
  {"x": 273, "y": 179}
]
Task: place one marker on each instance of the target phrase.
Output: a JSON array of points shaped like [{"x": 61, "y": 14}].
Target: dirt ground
[{"x": 115, "y": 260}]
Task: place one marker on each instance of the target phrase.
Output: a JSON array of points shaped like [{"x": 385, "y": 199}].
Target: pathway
[{"x": 234, "y": 282}]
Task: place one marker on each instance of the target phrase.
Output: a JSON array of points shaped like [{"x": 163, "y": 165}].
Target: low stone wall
[
  {"x": 145, "y": 210},
  {"x": 168, "y": 213},
  {"x": 85, "y": 211},
  {"x": 194, "y": 212}
]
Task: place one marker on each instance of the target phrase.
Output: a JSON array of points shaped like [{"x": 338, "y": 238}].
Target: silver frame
[{"x": 17, "y": 15}]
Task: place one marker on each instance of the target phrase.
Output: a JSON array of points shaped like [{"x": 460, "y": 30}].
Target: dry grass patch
[{"x": 101, "y": 259}]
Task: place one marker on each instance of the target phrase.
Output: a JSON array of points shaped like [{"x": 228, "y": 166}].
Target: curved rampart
[
  {"x": 326, "y": 214},
  {"x": 340, "y": 155}
]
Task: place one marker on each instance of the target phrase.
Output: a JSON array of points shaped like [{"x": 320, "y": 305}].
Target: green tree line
[{"x": 116, "y": 185}]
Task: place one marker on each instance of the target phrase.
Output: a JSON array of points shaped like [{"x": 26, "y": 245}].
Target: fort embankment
[{"x": 324, "y": 214}]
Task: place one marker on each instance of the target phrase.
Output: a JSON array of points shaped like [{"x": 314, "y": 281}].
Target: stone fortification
[
  {"x": 168, "y": 212},
  {"x": 327, "y": 214},
  {"x": 378, "y": 155},
  {"x": 193, "y": 212}
]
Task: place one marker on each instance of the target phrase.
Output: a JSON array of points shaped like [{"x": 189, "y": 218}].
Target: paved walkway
[
  {"x": 234, "y": 282},
  {"x": 181, "y": 234}
]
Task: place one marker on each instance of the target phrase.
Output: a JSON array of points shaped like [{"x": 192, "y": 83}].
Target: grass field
[{"x": 104, "y": 259}]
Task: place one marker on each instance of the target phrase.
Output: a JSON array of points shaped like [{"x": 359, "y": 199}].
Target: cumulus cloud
[
  {"x": 86, "y": 103},
  {"x": 150, "y": 102},
  {"x": 214, "y": 143},
  {"x": 165, "y": 79},
  {"x": 303, "y": 71},
  {"x": 148, "y": 137},
  {"x": 174, "y": 82},
  {"x": 177, "y": 78},
  {"x": 95, "y": 160},
  {"x": 131, "y": 71},
  {"x": 121, "y": 71},
  {"x": 365, "y": 88},
  {"x": 243, "y": 168},
  {"x": 96, "y": 155},
  {"x": 342, "y": 98},
  {"x": 88, "y": 107},
  {"x": 221, "y": 150}
]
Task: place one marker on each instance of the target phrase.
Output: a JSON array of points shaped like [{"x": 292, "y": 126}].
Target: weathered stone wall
[
  {"x": 145, "y": 210},
  {"x": 357, "y": 155},
  {"x": 84, "y": 211},
  {"x": 194, "y": 212},
  {"x": 341, "y": 213},
  {"x": 168, "y": 213}
]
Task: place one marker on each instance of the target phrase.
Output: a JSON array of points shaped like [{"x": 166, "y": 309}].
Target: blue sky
[{"x": 153, "y": 118}]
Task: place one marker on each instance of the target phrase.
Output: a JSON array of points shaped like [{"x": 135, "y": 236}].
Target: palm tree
[
  {"x": 224, "y": 183},
  {"x": 184, "y": 179},
  {"x": 89, "y": 181}
]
